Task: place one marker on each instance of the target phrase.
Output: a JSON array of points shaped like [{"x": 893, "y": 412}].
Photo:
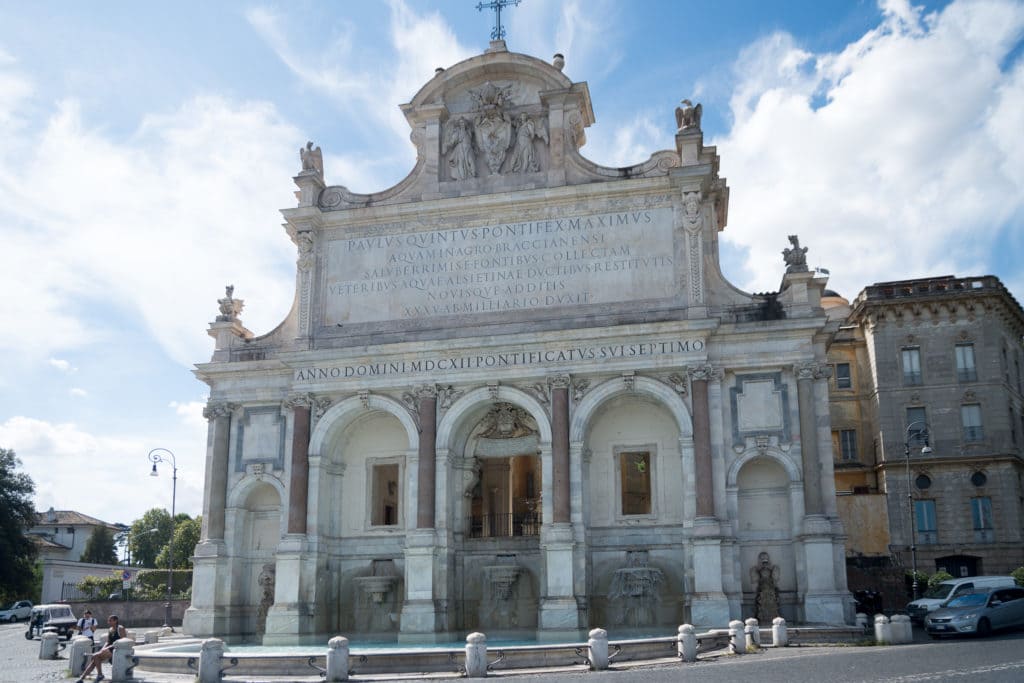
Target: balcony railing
[{"x": 503, "y": 525}]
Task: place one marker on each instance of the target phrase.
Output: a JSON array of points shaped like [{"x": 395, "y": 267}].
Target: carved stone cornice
[
  {"x": 812, "y": 370},
  {"x": 293, "y": 401},
  {"x": 446, "y": 396},
  {"x": 413, "y": 399},
  {"x": 215, "y": 409}
]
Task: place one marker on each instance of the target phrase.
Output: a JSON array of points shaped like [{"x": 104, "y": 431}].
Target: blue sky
[{"x": 146, "y": 150}]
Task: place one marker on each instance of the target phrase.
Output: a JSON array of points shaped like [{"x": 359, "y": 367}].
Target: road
[{"x": 999, "y": 659}]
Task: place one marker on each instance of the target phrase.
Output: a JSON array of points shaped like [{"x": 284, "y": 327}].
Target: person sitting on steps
[{"x": 105, "y": 653}]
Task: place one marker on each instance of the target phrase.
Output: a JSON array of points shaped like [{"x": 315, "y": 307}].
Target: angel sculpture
[
  {"x": 312, "y": 159},
  {"x": 524, "y": 158},
  {"x": 459, "y": 141},
  {"x": 688, "y": 116}
]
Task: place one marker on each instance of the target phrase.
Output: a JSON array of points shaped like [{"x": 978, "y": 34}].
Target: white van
[{"x": 941, "y": 592}]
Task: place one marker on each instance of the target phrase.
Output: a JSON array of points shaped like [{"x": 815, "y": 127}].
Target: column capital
[
  {"x": 559, "y": 381},
  {"x": 812, "y": 370},
  {"x": 215, "y": 409},
  {"x": 705, "y": 373},
  {"x": 293, "y": 401}
]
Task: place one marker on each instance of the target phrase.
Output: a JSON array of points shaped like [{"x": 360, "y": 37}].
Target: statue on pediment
[
  {"x": 688, "y": 116},
  {"x": 492, "y": 127},
  {"x": 524, "y": 157},
  {"x": 458, "y": 141},
  {"x": 312, "y": 160},
  {"x": 795, "y": 258}
]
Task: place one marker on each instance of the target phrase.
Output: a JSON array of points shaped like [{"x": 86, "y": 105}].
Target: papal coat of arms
[{"x": 492, "y": 126}]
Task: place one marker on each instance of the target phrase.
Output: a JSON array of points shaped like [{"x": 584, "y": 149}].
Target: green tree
[
  {"x": 99, "y": 549},
  {"x": 186, "y": 535},
  {"x": 17, "y": 516},
  {"x": 146, "y": 544}
]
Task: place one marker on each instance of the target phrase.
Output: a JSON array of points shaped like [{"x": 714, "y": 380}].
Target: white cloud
[
  {"x": 78, "y": 392},
  {"x": 62, "y": 365},
  {"x": 629, "y": 144},
  {"x": 77, "y": 470},
  {"x": 154, "y": 226},
  {"x": 883, "y": 154},
  {"x": 585, "y": 33}
]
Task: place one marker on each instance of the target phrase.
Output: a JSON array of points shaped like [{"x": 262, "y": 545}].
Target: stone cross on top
[{"x": 498, "y": 33}]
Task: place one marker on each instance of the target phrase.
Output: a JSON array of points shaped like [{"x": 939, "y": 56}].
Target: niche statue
[{"x": 765, "y": 577}]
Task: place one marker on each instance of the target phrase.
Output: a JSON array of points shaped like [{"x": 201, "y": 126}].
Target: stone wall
[{"x": 133, "y": 614}]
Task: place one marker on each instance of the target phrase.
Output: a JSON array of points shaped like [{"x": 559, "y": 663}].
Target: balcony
[{"x": 503, "y": 525}]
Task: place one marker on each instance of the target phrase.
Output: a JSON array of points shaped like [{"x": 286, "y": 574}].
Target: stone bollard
[
  {"x": 122, "y": 662},
  {"x": 686, "y": 645},
  {"x": 152, "y": 637},
  {"x": 902, "y": 632},
  {"x": 753, "y": 634},
  {"x": 883, "y": 630},
  {"x": 210, "y": 654},
  {"x": 49, "y": 643},
  {"x": 737, "y": 644},
  {"x": 862, "y": 621},
  {"x": 598, "y": 649},
  {"x": 476, "y": 655},
  {"x": 78, "y": 654},
  {"x": 337, "y": 659},
  {"x": 780, "y": 634}
]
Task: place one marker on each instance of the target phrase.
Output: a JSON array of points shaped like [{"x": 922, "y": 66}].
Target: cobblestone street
[{"x": 19, "y": 661}]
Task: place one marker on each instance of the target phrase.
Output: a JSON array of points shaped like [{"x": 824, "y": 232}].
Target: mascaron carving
[
  {"x": 812, "y": 370},
  {"x": 705, "y": 373}
]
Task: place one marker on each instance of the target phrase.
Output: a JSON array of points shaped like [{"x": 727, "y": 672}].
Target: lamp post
[
  {"x": 155, "y": 457},
  {"x": 921, "y": 433}
]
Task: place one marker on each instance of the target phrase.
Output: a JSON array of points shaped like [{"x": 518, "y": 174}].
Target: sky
[{"x": 146, "y": 150}]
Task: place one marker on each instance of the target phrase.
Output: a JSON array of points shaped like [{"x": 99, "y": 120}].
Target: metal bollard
[
  {"x": 737, "y": 645},
  {"x": 337, "y": 659},
  {"x": 686, "y": 645},
  {"x": 780, "y": 634},
  {"x": 49, "y": 643},
  {"x": 210, "y": 654},
  {"x": 476, "y": 655},
  {"x": 78, "y": 654},
  {"x": 883, "y": 630},
  {"x": 753, "y": 634},
  {"x": 597, "y": 646},
  {"x": 123, "y": 661}
]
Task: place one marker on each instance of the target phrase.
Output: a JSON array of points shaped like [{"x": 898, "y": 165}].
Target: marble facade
[{"x": 516, "y": 394}]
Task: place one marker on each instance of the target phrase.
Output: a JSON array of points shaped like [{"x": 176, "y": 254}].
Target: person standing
[
  {"x": 106, "y": 652},
  {"x": 86, "y": 626}
]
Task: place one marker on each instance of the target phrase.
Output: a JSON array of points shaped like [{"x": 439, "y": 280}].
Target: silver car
[
  {"x": 980, "y": 613},
  {"x": 22, "y": 609}
]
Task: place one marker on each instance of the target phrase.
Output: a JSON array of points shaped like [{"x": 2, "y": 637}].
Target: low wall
[{"x": 133, "y": 614}]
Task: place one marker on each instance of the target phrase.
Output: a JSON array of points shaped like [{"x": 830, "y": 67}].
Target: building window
[
  {"x": 981, "y": 516},
  {"x": 843, "y": 378},
  {"x": 927, "y": 532},
  {"x": 918, "y": 418},
  {"x": 923, "y": 482},
  {"x": 635, "y": 482},
  {"x": 970, "y": 418},
  {"x": 911, "y": 366},
  {"x": 979, "y": 478},
  {"x": 846, "y": 444},
  {"x": 384, "y": 495},
  {"x": 965, "y": 368}
]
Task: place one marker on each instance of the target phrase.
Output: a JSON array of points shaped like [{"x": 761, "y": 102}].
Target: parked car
[
  {"x": 947, "y": 590},
  {"x": 57, "y": 617},
  {"x": 980, "y": 613},
  {"x": 22, "y": 609}
]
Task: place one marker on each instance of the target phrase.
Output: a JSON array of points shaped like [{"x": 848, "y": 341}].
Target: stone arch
[
  {"x": 642, "y": 386},
  {"x": 346, "y": 412},
  {"x": 792, "y": 471},
  {"x": 239, "y": 495},
  {"x": 463, "y": 409}
]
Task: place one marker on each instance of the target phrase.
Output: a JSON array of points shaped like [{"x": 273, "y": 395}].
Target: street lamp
[
  {"x": 155, "y": 457},
  {"x": 922, "y": 432}
]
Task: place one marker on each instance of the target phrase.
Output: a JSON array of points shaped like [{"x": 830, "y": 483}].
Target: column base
[
  {"x": 419, "y": 618},
  {"x": 205, "y": 622},
  {"x": 709, "y": 610},
  {"x": 826, "y": 608},
  {"x": 559, "y": 614}
]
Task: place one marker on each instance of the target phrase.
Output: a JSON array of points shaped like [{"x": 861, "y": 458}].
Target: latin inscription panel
[{"x": 571, "y": 261}]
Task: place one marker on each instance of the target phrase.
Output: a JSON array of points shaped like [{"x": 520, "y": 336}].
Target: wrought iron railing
[{"x": 503, "y": 525}]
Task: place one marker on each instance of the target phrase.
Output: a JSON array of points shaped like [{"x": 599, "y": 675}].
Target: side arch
[
  {"x": 344, "y": 413},
  {"x": 644, "y": 386},
  {"x": 792, "y": 471}
]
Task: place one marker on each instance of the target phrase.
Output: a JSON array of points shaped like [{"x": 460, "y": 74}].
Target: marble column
[
  {"x": 560, "y": 504},
  {"x": 298, "y": 486},
  {"x": 219, "y": 438},
  {"x": 704, "y": 481},
  {"x": 806, "y": 374},
  {"x": 426, "y": 501}
]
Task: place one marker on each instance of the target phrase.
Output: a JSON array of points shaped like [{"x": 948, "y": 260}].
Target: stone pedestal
[
  {"x": 419, "y": 611},
  {"x": 709, "y": 606},
  {"x": 289, "y": 616},
  {"x": 559, "y": 610},
  {"x": 205, "y": 617},
  {"x": 123, "y": 661}
]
